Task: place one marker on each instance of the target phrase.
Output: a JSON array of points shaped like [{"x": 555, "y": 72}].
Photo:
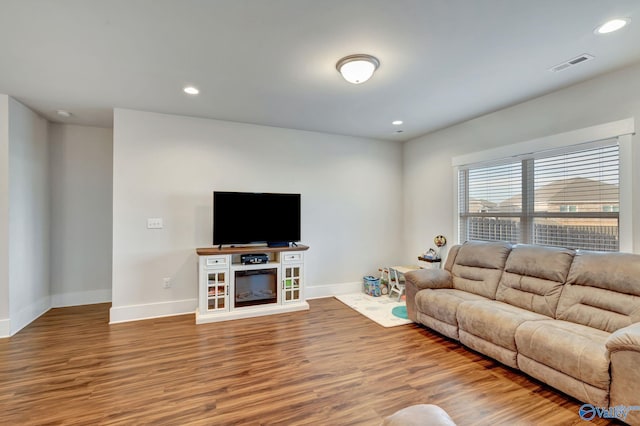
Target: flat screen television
[{"x": 251, "y": 217}]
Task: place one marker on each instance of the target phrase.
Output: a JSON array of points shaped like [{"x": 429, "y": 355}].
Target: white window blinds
[{"x": 567, "y": 198}]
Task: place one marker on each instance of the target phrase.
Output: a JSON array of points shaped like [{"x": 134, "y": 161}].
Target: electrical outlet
[
  {"x": 154, "y": 223},
  {"x": 166, "y": 282}
]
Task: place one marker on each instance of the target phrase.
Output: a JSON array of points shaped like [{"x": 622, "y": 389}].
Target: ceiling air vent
[{"x": 571, "y": 62}]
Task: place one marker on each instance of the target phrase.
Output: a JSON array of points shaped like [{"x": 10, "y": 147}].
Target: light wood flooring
[{"x": 326, "y": 366}]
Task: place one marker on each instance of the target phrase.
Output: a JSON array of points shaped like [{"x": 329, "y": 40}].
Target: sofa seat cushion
[
  {"x": 573, "y": 349},
  {"x": 442, "y": 304},
  {"x": 493, "y": 321}
]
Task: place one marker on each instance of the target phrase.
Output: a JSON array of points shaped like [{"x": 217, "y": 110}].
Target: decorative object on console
[
  {"x": 434, "y": 255},
  {"x": 440, "y": 241}
]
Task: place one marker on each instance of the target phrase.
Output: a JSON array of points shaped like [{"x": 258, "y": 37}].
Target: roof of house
[{"x": 569, "y": 192}]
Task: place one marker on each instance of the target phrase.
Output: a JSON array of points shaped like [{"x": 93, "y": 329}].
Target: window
[{"x": 568, "y": 198}]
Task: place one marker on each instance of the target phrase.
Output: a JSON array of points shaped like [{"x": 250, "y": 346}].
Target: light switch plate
[{"x": 154, "y": 223}]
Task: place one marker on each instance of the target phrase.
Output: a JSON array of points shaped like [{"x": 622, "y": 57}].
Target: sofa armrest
[
  {"x": 624, "y": 350},
  {"x": 429, "y": 278},
  {"x": 625, "y": 339},
  {"x": 423, "y": 279}
]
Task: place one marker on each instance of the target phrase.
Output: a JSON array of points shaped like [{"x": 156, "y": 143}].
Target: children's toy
[{"x": 372, "y": 286}]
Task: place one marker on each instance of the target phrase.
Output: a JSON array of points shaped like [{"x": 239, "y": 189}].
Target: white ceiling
[{"x": 272, "y": 62}]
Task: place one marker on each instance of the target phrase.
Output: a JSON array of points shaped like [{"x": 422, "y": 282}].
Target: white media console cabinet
[{"x": 229, "y": 289}]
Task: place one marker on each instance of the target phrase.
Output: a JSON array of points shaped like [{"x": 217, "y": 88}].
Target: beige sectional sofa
[{"x": 568, "y": 318}]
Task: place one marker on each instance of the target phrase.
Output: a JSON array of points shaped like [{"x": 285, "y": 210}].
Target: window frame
[{"x": 619, "y": 131}]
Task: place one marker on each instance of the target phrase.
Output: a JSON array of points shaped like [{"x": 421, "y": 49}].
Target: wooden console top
[{"x": 210, "y": 251}]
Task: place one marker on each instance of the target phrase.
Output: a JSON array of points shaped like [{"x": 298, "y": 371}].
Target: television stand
[{"x": 229, "y": 289}]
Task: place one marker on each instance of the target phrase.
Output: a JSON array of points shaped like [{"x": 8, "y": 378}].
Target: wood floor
[{"x": 327, "y": 366}]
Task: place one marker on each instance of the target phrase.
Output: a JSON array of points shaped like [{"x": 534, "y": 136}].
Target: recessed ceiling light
[
  {"x": 612, "y": 25},
  {"x": 63, "y": 113},
  {"x": 190, "y": 90},
  {"x": 357, "y": 69},
  {"x": 396, "y": 122}
]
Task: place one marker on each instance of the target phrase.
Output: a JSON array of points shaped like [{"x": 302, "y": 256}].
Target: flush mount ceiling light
[
  {"x": 190, "y": 90},
  {"x": 63, "y": 113},
  {"x": 612, "y": 25},
  {"x": 357, "y": 69},
  {"x": 396, "y": 122}
]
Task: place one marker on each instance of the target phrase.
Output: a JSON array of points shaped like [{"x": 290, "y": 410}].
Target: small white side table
[{"x": 396, "y": 279}]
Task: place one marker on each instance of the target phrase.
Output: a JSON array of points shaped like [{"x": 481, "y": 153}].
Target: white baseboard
[
  {"x": 80, "y": 298},
  {"x": 329, "y": 290},
  {"x": 152, "y": 310},
  {"x": 188, "y": 306},
  {"x": 5, "y": 328},
  {"x": 28, "y": 314}
]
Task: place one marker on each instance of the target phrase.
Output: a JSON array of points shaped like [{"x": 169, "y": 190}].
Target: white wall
[
  {"x": 5, "y": 328},
  {"x": 168, "y": 166},
  {"x": 81, "y": 161},
  {"x": 29, "y": 200},
  {"x": 428, "y": 174}
]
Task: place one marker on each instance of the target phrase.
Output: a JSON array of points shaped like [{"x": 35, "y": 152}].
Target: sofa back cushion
[
  {"x": 478, "y": 266},
  {"x": 533, "y": 278},
  {"x": 602, "y": 291}
]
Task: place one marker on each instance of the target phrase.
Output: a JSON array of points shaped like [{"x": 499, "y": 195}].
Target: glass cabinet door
[
  {"x": 217, "y": 290},
  {"x": 291, "y": 283}
]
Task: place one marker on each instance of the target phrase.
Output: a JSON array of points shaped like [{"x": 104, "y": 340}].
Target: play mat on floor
[{"x": 388, "y": 312}]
